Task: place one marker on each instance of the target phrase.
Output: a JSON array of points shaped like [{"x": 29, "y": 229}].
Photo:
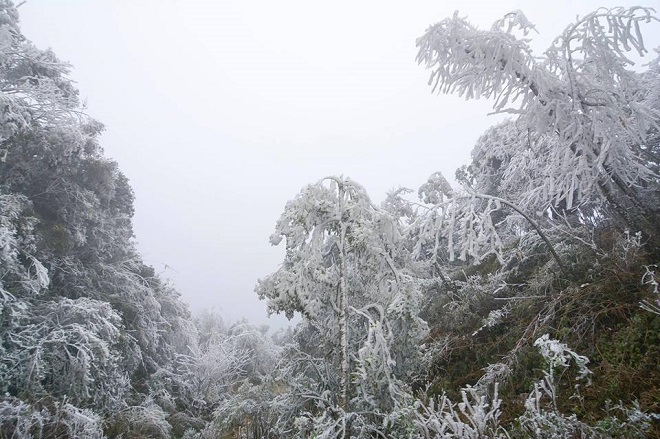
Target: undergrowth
[{"x": 595, "y": 310}]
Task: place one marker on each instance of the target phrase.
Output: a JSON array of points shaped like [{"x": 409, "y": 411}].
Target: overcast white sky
[{"x": 219, "y": 111}]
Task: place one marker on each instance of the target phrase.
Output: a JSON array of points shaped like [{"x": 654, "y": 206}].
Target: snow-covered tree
[
  {"x": 68, "y": 349},
  {"x": 35, "y": 89},
  {"x": 344, "y": 271},
  {"x": 586, "y": 131},
  {"x": 83, "y": 321}
]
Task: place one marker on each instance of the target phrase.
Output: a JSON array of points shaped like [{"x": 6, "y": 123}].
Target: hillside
[{"x": 522, "y": 301}]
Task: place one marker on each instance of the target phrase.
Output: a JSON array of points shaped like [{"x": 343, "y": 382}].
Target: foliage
[
  {"x": 147, "y": 420},
  {"x": 353, "y": 248},
  {"x": 345, "y": 272},
  {"x": 474, "y": 417},
  {"x": 23, "y": 421},
  {"x": 477, "y": 416},
  {"x": 585, "y": 128},
  {"x": 34, "y": 84},
  {"x": 83, "y": 321},
  {"x": 67, "y": 349},
  {"x": 450, "y": 316}
]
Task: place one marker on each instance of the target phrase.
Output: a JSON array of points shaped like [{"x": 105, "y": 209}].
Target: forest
[{"x": 521, "y": 301}]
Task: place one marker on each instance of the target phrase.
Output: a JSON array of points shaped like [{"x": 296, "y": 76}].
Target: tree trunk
[{"x": 343, "y": 315}]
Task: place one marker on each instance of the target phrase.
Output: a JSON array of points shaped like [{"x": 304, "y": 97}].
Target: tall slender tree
[{"x": 344, "y": 272}]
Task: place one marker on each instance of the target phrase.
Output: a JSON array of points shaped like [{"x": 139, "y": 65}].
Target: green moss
[{"x": 626, "y": 366}]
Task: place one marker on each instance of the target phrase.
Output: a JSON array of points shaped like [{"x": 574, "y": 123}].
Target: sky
[{"x": 219, "y": 111}]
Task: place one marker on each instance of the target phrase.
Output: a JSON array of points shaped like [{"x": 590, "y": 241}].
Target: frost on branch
[
  {"x": 345, "y": 272},
  {"x": 67, "y": 348},
  {"x": 34, "y": 85},
  {"x": 650, "y": 278},
  {"x": 463, "y": 225},
  {"x": 21, "y": 274},
  {"x": 543, "y": 418},
  {"x": 475, "y": 63},
  {"x": 584, "y": 122},
  {"x": 474, "y": 417},
  {"x": 22, "y": 421}
]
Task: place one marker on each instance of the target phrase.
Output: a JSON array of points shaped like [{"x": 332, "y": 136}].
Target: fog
[{"x": 221, "y": 111}]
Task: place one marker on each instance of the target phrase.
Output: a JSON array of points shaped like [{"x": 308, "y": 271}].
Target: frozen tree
[
  {"x": 35, "y": 89},
  {"x": 23, "y": 421},
  {"x": 68, "y": 349},
  {"x": 344, "y": 271},
  {"x": 83, "y": 321},
  {"x": 448, "y": 224},
  {"x": 83, "y": 206},
  {"x": 585, "y": 133},
  {"x": 210, "y": 371},
  {"x": 253, "y": 404}
]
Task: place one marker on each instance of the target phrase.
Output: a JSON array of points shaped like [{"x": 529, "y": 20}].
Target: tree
[
  {"x": 35, "y": 89},
  {"x": 344, "y": 272},
  {"x": 69, "y": 349},
  {"x": 585, "y": 132},
  {"x": 578, "y": 161},
  {"x": 83, "y": 321}
]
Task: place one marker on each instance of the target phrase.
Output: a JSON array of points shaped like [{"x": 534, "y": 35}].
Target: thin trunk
[{"x": 343, "y": 314}]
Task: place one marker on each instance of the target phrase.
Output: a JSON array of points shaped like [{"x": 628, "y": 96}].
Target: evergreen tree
[{"x": 83, "y": 321}]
